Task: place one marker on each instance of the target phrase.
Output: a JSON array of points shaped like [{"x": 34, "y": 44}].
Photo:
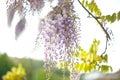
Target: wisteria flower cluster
[{"x": 59, "y": 32}]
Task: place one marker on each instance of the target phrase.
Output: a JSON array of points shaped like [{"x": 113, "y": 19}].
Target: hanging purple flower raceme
[{"x": 59, "y": 32}]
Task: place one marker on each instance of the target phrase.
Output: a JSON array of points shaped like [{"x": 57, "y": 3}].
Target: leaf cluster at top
[{"x": 93, "y": 8}]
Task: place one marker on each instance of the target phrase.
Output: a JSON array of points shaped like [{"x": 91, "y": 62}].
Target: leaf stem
[{"x": 101, "y": 25}]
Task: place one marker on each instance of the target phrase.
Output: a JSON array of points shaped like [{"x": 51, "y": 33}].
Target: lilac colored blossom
[{"x": 59, "y": 32}]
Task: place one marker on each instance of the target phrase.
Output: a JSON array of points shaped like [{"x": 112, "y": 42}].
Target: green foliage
[
  {"x": 28, "y": 65},
  {"x": 31, "y": 66},
  {"x": 94, "y": 46},
  {"x": 92, "y": 6},
  {"x": 40, "y": 75},
  {"x": 104, "y": 68},
  {"x": 90, "y": 60},
  {"x": 118, "y": 16},
  {"x": 111, "y": 18},
  {"x": 15, "y": 74},
  {"x": 34, "y": 69},
  {"x": 5, "y": 64},
  {"x": 57, "y": 74}
]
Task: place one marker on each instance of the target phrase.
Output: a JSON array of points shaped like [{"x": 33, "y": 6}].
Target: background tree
[{"x": 5, "y": 64}]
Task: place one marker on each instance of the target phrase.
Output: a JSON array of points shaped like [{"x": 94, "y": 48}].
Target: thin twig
[
  {"x": 105, "y": 47},
  {"x": 107, "y": 35}
]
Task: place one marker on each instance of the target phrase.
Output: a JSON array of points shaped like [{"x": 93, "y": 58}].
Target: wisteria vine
[{"x": 60, "y": 33}]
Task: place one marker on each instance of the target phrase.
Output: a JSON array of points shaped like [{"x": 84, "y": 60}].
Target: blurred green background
[{"x": 34, "y": 68}]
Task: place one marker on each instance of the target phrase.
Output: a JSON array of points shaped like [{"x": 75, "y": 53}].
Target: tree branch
[{"x": 101, "y": 25}]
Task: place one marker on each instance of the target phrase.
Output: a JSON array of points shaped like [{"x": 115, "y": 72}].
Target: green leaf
[
  {"x": 82, "y": 66},
  {"x": 91, "y": 57},
  {"x": 104, "y": 68},
  {"x": 91, "y": 49},
  {"x": 94, "y": 46},
  {"x": 110, "y": 68},
  {"x": 103, "y": 18},
  {"x": 86, "y": 3},
  {"x": 83, "y": 2},
  {"x": 113, "y": 17},
  {"x": 79, "y": 66},
  {"x": 89, "y": 67},
  {"x": 118, "y": 16},
  {"x": 98, "y": 42},
  {"x": 85, "y": 67},
  {"x": 108, "y": 18},
  {"x": 93, "y": 66},
  {"x": 105, "y": 58},
  {"x": 79, "y": 48},
  {"x": 99, "y": 59},
  {"x": 92, "y": 6},
  {"x": 99, "y": 67}
]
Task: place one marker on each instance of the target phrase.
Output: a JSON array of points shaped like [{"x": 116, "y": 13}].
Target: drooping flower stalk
[{"x": 60, "y": 33}]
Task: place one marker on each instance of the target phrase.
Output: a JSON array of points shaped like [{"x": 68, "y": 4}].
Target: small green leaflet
[
  {"x": 118, "y": 16},
  {"x": 92, "y": 6},
  {"x": 111, "y": 18}
]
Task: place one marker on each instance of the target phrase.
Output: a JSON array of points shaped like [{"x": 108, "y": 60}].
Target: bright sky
[{"x": 23, "y": 47}]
